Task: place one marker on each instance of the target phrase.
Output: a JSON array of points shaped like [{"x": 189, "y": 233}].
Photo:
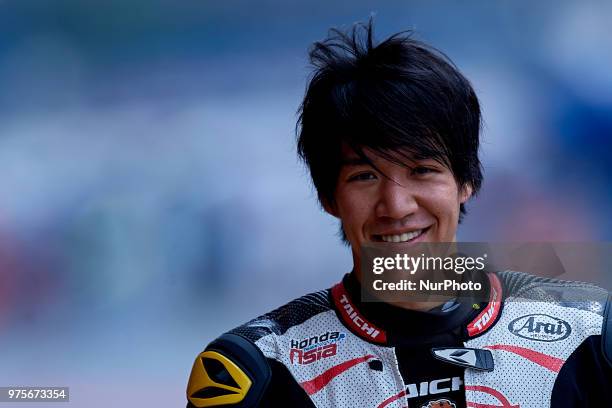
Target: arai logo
[{"x": 540, "y": 327}]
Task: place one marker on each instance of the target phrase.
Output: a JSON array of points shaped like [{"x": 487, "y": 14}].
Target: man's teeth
[{"x": 406, "y": 236}]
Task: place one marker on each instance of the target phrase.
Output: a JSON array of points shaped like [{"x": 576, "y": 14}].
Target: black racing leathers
[{"x": 531, "y": 345}]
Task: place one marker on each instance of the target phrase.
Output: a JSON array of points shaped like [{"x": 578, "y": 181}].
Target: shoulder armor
[
  {"x": 606, "y": 332},
  {"x": 579, "y": 295},
  {"x": 282, "y": 319},
  {"x": 231, "y": 371}
]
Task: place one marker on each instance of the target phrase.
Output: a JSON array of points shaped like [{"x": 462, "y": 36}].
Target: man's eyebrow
[{"x": 355, "y": 161}]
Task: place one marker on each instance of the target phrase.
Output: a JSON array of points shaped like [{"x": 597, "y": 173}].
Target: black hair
[{"x": 400, "y": 98}]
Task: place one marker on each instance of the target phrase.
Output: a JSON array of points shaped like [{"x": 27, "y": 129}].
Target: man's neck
[{"x": 415, "y": 305}]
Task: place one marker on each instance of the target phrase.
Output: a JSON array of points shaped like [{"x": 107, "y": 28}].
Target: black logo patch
[
  {"x": 540, "y": 327},
  {"x": 441, "y": 403}
]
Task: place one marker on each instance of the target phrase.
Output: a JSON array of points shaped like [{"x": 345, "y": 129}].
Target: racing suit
[{"x": 536, "y": 343}]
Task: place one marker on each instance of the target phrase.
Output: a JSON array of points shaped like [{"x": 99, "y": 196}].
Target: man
[{"x": 390, "y": 133}]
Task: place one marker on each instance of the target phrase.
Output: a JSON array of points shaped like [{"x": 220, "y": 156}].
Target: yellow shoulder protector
[{"x": 231, "y": 371}]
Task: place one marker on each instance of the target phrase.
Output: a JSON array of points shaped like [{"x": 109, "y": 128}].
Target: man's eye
[
  {"x": 362, "y": 177},
  {"x": 422, "y": 170}
]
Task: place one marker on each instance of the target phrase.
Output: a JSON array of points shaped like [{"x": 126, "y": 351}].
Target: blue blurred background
[{"x": 151, "y": 198}]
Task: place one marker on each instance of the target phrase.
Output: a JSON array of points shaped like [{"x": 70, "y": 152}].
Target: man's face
[{"x": 418, "y": 202}]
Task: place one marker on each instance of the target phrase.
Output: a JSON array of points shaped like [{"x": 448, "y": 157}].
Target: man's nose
[{"x": 396, "y": 200}]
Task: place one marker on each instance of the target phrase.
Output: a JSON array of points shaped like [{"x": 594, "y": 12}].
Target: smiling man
[{"x": 390, "y": 134}]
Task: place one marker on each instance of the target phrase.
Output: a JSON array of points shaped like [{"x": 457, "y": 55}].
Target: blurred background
[{"x": 150, "y": 194}]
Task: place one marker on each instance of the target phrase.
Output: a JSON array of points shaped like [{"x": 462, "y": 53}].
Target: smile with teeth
[{"x": 406, "y": 236}]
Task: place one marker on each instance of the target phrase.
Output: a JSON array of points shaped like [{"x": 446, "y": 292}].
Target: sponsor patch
[
  {"x": 486, "y": 318},
  {"x": 433, "y": 387},
  {"x": 353, "y": 318},
  {"x": 315, "y": 348},
  {"x": 540, "y": 327}
]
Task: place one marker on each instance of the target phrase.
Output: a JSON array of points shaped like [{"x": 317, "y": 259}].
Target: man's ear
[
  {"x": 329, "y": 207},
  {"x": 465, "y": 193}
]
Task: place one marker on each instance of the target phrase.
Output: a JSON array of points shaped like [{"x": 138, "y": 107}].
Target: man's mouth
[{"x": 403, "y": 237}]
